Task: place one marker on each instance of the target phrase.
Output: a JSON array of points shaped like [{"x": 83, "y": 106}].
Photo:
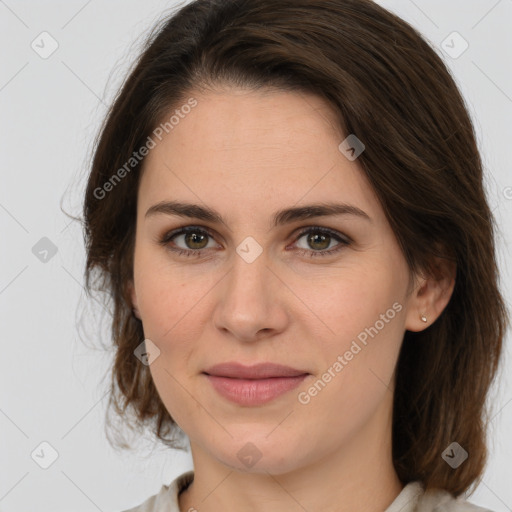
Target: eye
[
  {"x": 194, "y": 240},
  {"x": 319, "y": 239}
]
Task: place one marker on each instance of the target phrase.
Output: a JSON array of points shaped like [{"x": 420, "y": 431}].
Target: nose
[{"x": 250, "y": 301}]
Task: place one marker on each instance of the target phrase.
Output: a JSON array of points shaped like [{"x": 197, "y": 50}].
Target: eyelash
[{"x": 343, "y": 239}]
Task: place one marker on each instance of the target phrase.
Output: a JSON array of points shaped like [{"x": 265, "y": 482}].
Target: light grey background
[{"x": 53, "y": 386}]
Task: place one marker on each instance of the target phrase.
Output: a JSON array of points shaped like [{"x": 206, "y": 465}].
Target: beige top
[{"x": 411, "y": 499}]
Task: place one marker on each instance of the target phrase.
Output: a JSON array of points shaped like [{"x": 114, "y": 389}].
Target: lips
[
  {"x": 235, "y": 370},
  {"x": 255, "y": 385}
]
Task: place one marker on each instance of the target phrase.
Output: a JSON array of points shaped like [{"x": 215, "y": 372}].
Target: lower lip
[{"x": 254, "y": 391}]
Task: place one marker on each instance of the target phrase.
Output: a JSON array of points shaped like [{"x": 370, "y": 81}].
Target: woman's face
[{"x": 333, "y": 304}]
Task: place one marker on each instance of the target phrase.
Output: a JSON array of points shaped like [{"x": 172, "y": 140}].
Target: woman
[{"x": 286, "y": 207}]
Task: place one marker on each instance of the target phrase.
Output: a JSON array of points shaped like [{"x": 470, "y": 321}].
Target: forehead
[{"x": 240, "y": 149}]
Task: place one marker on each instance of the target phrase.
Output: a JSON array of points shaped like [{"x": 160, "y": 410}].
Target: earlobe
[
  {"x": 431, "y": 296},
  {"x": 133, "y": 299}
]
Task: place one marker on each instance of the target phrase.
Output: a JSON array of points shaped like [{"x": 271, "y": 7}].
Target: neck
[{"x": 359, "y": 475}]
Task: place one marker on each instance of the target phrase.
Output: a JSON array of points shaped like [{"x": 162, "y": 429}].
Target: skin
[{"x": 248, "y": 154}]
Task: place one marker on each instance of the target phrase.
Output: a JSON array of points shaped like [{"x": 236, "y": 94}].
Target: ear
[
  {"x": 133, "y": 299},
  {"x": 431, "y": 295}
]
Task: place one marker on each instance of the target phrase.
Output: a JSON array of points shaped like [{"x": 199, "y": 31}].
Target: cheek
[
  {"x": 169, "y": 295},
  {"x": 172, "y": 389},
  {"x": 365, "y": 313},
  {"x": 172, "y": 318},
  {"x": 347, "y": 300},
  {"x": 362, "y": 320}
]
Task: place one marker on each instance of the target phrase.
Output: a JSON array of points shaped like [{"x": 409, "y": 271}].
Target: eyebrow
[{"x": 281, "y": 217}]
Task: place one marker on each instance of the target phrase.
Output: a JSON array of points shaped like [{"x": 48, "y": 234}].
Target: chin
[{"x": 259, "y": 453}]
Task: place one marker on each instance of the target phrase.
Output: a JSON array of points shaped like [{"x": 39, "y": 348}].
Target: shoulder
[
  {"x": 414, "y": 498},
  {"x": 440, "y": 500},
  {"x": 156, "y": 503},
  {"x": 167, "y": 499}
]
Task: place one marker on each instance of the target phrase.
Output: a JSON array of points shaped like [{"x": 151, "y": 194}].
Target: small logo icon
[
  {"x": 44, "y": 455},
  {"x": 454, "y": 455},
  {"x": 249, "y": 249},
  {"x": 249, "y": 454},
  {"x": 454, "y": 45},
  {"x": 351, "y": 147},
  {"x": 44, "y": 250},
  {"x": 44, "y": 45},
  {"x": 147, "y": 352}
]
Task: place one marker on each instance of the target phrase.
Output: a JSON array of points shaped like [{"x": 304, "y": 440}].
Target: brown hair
[{"x": 390, "y": 88}]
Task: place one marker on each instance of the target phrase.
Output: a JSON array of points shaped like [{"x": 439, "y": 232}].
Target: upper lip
[{"x": 257, "y": 371}]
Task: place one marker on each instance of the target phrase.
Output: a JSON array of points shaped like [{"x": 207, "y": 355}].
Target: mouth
[{"x": 253, "y": 385}]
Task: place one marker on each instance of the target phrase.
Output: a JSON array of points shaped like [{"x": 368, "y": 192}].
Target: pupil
[
  {"x": 314, "y": 239},
  {"x": 194, "y": 238}
]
